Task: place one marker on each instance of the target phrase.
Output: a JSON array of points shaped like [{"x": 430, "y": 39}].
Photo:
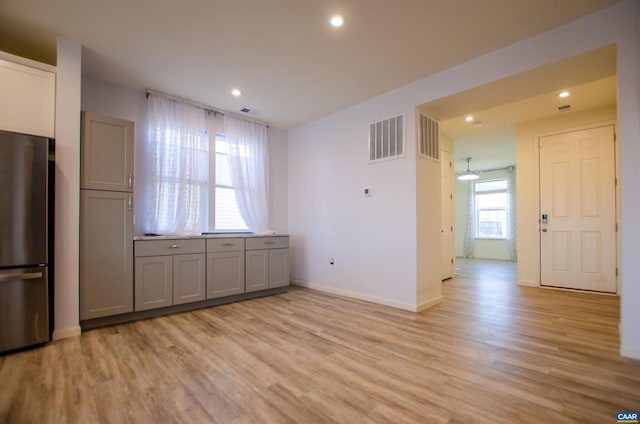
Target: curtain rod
[{"x": 207, "y": 108}]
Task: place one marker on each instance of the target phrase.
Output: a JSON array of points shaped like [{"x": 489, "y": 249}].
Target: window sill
[{"x": 492, "y": 238}]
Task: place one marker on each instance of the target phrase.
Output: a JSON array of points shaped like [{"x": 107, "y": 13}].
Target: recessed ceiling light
[
  {"x": 469, "y": 118},
  {"x": 337, "y": 21},
  {"x": 563, "y": 94},
  {"x": 236, "y": 92}
]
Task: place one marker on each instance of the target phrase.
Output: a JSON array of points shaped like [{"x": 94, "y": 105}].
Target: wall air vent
[
  {"x": 428, "y": 137},
  {"x": 564, "y": 108},
  {"x": 245, "y": 110},
  {"x": 386, "y": 139}
]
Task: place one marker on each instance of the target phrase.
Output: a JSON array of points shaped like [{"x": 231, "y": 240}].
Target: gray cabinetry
[
  {"x": 106, "y": 217},
  {"x": 169, "y": 272},
  {"x": 267, "y": 263},
  {"x": 107, "y": 153},
  {"x": 106, "y": 254},
  {"x": 154, "y": 282},
  {"x": 225, "y": 267}
]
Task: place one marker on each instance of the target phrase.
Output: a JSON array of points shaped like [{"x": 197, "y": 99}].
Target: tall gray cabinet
[{"x": 106, "y": 216}]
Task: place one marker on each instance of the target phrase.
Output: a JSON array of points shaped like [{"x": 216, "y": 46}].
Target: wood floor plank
[{"x": 491, "y": 352}]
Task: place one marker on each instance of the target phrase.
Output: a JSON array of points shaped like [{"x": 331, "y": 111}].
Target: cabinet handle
[
  {"x": 27, "y": 276},
  {"x": 227, "y": 244},
  {"x": 174, "y": 246},
  {"x": 130, "y": 181},
  {"x": 268, "y": 242},
  {"x": 130, "y": 203}
]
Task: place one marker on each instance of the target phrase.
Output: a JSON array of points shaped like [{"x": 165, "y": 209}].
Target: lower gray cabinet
[
  {"x": 189, "y": 278},
  {"x": 225, "y": 267},
  {"x": 153, "y": 282},
  {"x": 267, "y": 263},
  {"x": 106, "y": 254},
  {"x": 169, "y": 272},
  {"x": 278, "y": 268}
]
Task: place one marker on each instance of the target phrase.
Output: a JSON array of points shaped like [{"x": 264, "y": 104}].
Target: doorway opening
[{"x": 498, "y": 125}]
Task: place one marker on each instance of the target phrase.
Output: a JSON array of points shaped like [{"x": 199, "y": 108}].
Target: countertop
[{"x": 204, "y": 236}]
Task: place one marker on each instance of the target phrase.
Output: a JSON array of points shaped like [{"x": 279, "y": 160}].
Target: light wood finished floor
[{"x": 492, "y": 352}]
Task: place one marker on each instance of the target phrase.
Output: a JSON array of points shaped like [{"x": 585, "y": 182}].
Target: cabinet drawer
[
  {"x": 168, "y": 247},
  {"x": 257, "y": 243},
  {"x": 225, "y": 245}
]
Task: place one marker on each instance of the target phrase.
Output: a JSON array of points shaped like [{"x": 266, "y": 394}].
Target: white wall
[
  {"x": 327, "y": 169},
  {"x": 528, "y": 190},
  {"x": 67, "y": 191},
  {"x": 372, "y": 239}
]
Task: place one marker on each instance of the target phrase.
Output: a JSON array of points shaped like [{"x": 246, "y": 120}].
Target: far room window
[
  {"x": 491, "y": 204},
  {"x": 227, "y": 213}
]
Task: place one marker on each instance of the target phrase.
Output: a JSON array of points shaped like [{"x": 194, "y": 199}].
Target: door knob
[{"x": 544, "y": 230}]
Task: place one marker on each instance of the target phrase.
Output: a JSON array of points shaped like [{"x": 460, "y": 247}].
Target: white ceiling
[
  {"x": 530, "y": 96},
  {"x": 290, "y": 64}
]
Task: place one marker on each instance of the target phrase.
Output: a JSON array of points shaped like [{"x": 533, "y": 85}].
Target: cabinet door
[
  {"x": 257, "y": 266},
  {"x": 225, "y": 274},
  {"x": 107, "y": 153},
  {"x": 188, "y": 278},
  {"x": 278, "y": 268},
  {"x": 106, "y": 254},
  {"x": 28, "y": 99},
  {"x": 154, "y": 282}
]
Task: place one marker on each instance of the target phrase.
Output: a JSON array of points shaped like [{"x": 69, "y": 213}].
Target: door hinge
[
  {"x": 451, "y": 196},
  {"x": 450, "y": 165},
  {"x": 616, "y": 227},
  {"x": 452, "y": 228},
  {"x": 616, "y": 272},
  {"x": 451, "y": 260},
  {"x": 615, "y": 136}
]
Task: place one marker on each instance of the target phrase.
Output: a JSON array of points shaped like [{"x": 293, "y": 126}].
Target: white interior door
[
  {"x": 448, "y": 215},
  {"x": 577, "y": 199}
]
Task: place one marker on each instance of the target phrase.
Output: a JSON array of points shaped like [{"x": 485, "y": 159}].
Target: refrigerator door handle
[{"x": 26, "y": 276}]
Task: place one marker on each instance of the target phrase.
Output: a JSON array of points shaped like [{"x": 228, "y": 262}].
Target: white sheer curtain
[
  {"x": 512, "y": 231},
  {"x": 249, "y": 168},
  {"x": 178, "y": 152},
  {"x": 470, "y": 233}
]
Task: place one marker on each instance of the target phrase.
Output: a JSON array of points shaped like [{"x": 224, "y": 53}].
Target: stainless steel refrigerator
[{"x": 24, "y": 240}]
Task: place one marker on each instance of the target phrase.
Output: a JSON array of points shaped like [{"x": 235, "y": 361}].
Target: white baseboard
[
  {"x": 528, "y": 283},
  {"x": 632, "y": 352},
  {"x": 366, "y": 297},
  {"x": 429, "y": 303},
  {"x": 65, "y": 333}
]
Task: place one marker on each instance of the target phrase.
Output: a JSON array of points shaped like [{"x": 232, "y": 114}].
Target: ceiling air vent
[
  {"x": 386, "y": 138},
  {"x": 428, "y": 137}
]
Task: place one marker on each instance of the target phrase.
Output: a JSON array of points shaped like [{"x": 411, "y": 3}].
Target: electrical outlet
[{"x": 332, "y": 261}]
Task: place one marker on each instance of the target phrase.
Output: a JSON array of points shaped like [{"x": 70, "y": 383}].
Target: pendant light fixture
[{"x": 468, "y": 175}]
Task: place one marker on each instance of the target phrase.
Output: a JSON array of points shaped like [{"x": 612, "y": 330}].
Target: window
[
  {"x": 491, "y": 207},
  {"x": 227, "y": 214}
]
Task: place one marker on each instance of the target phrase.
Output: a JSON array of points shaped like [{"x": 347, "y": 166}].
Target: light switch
[{"x": 367, "y": 192}]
